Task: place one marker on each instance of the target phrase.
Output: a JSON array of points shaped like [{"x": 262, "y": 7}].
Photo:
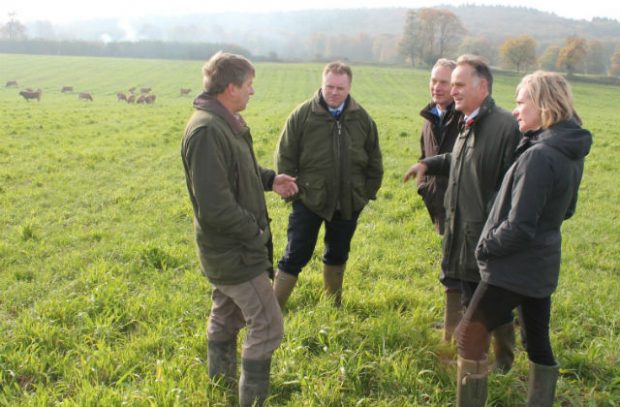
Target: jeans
[
  {"x": 303, "y": 231},
  {"x": 488, "y": 310}
]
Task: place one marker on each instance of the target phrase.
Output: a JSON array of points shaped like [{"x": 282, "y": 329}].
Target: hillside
[{"x": 312, "y": 34}]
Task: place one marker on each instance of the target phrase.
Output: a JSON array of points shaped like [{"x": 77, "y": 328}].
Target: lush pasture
[{"x": 101, "y": 300}]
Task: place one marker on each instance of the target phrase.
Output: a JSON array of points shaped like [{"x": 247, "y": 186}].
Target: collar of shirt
[{"x": 335, "y": 111}]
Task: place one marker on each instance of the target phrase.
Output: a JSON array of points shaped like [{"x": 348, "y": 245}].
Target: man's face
[
  {"x": 241, "y": 94},
  {"x": 526, "y": 113},
  {"x": 440, "y": 86},
  {"x": 335, "y": 88},
  {"x": 468, "y": 90}
]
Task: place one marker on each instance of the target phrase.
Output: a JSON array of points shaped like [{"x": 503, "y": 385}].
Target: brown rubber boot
[
  {"x": 332, "y": 279},
  {"x": 541, "y": 387},
  {"x": 471, "y": 382},
  {"x": 504, "y": 347},
  {"x": 254, "y": 382},
  {"x": 283, "y": 285},
  {"x": 222, "y": 359},
  {"x": 452, "y": 314}
]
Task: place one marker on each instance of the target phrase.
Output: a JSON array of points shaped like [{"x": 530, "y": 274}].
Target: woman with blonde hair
[{"x": 520, "y": 246}]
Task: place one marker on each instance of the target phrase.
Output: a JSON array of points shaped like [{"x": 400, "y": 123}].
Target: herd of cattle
[{"x": 144, "y": 97}]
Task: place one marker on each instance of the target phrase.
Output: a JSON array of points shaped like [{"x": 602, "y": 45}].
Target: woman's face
[{"x": 527, "y": 115}]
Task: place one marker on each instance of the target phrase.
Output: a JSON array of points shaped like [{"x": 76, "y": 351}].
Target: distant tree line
[
  {"x": 431, "y": 33},
  {"x": 141, "y": 49}
]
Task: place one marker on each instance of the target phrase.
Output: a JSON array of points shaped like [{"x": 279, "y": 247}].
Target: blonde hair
[
  {"x": 339, "y": 68},
  {"x": 552, "y": 96}
]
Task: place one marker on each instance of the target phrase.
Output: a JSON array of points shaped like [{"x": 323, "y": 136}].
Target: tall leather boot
[
  {"x": 471, "y": 382},
  {"x": 283, "y": 285},
  {"x": 453, "y": 313},
  {"x": 254, "y": 382},
  {"x": 332, "y": 279},
  {"x": 222, "y": 359},
  {"x": 541, "y": 386},
  {"x": 504, "y": 347}
]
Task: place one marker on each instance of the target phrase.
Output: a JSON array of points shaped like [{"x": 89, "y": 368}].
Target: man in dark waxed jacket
[
  {"x": 226, "y": 186},
  {"x": 482, "y": 153},
  {"x": 330, "y": 144}
]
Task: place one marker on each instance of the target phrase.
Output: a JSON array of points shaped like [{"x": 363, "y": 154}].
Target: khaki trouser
[{"x": 253, "y": 304}]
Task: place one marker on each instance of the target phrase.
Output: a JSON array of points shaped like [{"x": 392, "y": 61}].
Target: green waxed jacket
[
  {"x": 481, "y": 155},
  {"x": 337, "y": 162},
  {"x": 226, "y": 187}
]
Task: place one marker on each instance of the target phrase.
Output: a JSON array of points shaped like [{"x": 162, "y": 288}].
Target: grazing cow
[
  {"x": 11, "y": 84},
  {"x": 131, "y": 99},
  {"x": 185, "y": 91},
  {"x": 150, "y": 99},
  {"x": 31, "y": 94},
  {"x": 66, "y": 89},
  {"x": 132, "y": 90},
  {"x": 121, "y": 96},
  {"x": 85, "y": 96},
  {"x": 145, "y": 90},
  {"x": 141, "y": 99}
]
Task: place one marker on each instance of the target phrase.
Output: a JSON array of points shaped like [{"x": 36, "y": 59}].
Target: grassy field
[{"x": 102, "y": 302}]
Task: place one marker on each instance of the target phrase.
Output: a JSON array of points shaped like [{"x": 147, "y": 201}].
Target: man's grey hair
[
  {"x": 480, "y": 66},
  {"x": 446, "y": 63}
]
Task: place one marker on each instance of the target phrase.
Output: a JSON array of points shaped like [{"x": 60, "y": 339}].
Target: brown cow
[
  {"x": 150, "y": 99},
  {"x": 121, "y": 96},
  {"x": 185, "y": 91},
  {"x": 131, "y": 99},
  {"x": 132, "y": 90},
  {"x": 145, "y": 90},
  {"x": 85, "y": 96},
  {"x": 31, "y": 94},
  {"x": 141, "y": 99},
  {"x": 66, "y": 89},
  {"x": 11, "y": 84}
]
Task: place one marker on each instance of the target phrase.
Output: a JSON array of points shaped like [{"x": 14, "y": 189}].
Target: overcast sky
[{"x": 70, "y": 10}]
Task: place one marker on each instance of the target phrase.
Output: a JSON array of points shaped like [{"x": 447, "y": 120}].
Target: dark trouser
[
  {"x": 488, "y": 310},
  {"x": 303, "y": 231}
]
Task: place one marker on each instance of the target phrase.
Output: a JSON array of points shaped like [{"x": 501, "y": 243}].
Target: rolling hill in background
[{"x": 296, "y": 34}]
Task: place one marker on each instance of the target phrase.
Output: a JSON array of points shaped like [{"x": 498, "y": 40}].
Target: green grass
[{"x": 102, "y": 301}]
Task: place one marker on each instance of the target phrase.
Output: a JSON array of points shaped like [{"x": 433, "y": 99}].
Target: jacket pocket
[
  {"x": 313, "y": 193},
  {"x": 467, "y": 255}
]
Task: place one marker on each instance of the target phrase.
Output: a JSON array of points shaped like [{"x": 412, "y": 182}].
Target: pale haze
[{"x": 71, "y": 10}]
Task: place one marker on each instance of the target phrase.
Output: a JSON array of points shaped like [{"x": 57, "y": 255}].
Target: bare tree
[
  {"x": 13, "y": 30},
  {"x": 429, "y": 34}
]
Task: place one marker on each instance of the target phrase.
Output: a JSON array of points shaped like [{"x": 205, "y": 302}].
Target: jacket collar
[
  {"x": 487, "y": 105},
  {"x": 428, "y": 114},
  {"x": 320, "y": 106},
  {"x": 209, "y": 103}
]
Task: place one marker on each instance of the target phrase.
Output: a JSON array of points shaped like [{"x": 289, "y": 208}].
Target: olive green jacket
[
  {"x": 337, "y": 162},
  {"x": 226, "y": 187},
  {"x": 481, "y": 155}
]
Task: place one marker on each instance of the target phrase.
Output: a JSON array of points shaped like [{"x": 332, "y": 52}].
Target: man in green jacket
[
  {"x": 483, "y": 152},
  {"x": 330, "y": 144},
  {"x": 226, "y": 187}
]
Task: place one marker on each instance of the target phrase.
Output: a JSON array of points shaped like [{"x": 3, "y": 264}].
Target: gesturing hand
[
  {"x": 285, "y": 185},
  {"x": 418, "y": 170}
]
